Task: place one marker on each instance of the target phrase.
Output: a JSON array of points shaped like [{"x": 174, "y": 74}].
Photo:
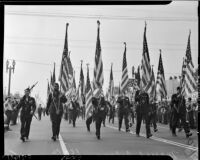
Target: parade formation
[{"x": 142, "y": 102}]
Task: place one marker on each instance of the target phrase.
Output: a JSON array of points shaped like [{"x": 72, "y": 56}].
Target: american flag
[
  {"x": 160, "y": 82},
  {"x": 98, "y": 66},
  {"x": 189, "y": 84},
  {"x": 111, "y": 84},
  {"x": 88, "y": 91},
  {"x": 66, "y": 70},
  {"x": 124, "y": 82},
  {"x": 81, "y": 89},
  {"x": 182, "y": 81},
  {"x": 145, "y": 67}
]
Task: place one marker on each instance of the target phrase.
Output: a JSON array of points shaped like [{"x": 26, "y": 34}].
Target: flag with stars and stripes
[
  {"x": 88, "y": 97},
  {"x": 145, "y": 66},
  {"x": 98, "y": 65},
  {"x": 161, "y": 90},
  {"x": 189, "y": 84},
  {"x": 124, "y": 81},
  {"x": 66, "y": 70},
  {"x": 81, "y": 89},
  {"x": 111, "y": 84}
]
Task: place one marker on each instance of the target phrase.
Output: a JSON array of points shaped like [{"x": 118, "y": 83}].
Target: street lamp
[{"x": 10, "y": 68}]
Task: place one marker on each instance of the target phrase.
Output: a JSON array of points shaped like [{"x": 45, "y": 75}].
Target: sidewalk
[{"x": 39, "y": 142}]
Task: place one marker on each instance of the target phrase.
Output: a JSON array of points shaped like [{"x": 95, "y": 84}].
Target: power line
[
  {"x": 89, "y": 46},
  {"x": 75, "y": 67},
  {"x": 108, "y": 17},
  {"x": 87, "y": 41}
]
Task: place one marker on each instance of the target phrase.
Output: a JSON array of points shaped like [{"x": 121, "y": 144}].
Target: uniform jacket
[
  {"x": 179, "y": 103},
  {"x": 27, "y": 106},
  {"x": 124, "y": 103},
  {"x": 75, "y": 107},
  {"x": 100, "y": 107},
  {"x": 143, "y": 102},
  {"x": 55, "y": 102}
]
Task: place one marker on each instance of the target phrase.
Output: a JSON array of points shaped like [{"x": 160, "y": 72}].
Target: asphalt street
[{"x": 78, "y": 141}]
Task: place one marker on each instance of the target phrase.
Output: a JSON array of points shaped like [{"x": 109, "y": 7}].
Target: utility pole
[{"x": 10, "y": 68}]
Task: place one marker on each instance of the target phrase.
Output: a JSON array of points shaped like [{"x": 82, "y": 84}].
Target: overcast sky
[{"x": 34, "y": 37}]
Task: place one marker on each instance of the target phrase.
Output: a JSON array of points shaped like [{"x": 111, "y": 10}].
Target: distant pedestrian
[
  {"x": 39, "y": 111},
  {"x": 27, "y": 103},
  {"x": 190, "y": 113},
  {"x": 75, "y": 108},
  {"x": 55, "y": 109}
]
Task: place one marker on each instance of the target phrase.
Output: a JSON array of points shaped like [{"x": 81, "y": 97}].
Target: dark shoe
[
  {"x": 119, "y": 129},
  {"x": 137, "y": 135},
  {"x": 149, "y": 135},
  {"x": 174, "y": 135},
  {"x": 127, "y": 130},
  {"x": 53, "y": 138},
  {"x": 98, "y": 136},
  {"x": 88, "y": 129},
  {"x": 22, "y": 138},
  {"x": 188, "y": 134},
  {"x": 155, "y": 130},
  {"x": 27, "y": 138}
]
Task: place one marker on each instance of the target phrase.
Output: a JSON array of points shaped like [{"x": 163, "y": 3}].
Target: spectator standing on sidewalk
[{"x": 8, "y": 111}]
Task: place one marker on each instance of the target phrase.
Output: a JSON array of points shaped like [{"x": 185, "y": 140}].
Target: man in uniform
[
  {"x": 75, "y": 109},
  {"x": 55, "y": 108},
  {"x": 143, "y": 110},
  {"x": 27, "y": 103},
  {"x": 112, "y": 109},
  {"x": 190, "y": 113},
  {"x": 123, "y": 111},
  {"x": 91, "y": 114},
  {"x": 179, "y": 112},
  {"x": 99, "y": 105},
  {"x": 39, "y": 111},
  {"x": 154, "y": 115}
]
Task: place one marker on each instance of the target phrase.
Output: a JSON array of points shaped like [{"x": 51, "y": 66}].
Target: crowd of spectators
[{"x": 11, "y": 114}]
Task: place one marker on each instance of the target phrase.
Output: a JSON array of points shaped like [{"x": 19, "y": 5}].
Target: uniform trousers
[
  {"x": 88, "y": 122},
  {"x": 175, "y": 118},
  {"x": 56, "y": 120},
  {"x": 123, "y": 114},
  {"x": 146, "y": 117},
  {"x": 98, "y": 121},
  {"x": 25, "y": 125}
]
